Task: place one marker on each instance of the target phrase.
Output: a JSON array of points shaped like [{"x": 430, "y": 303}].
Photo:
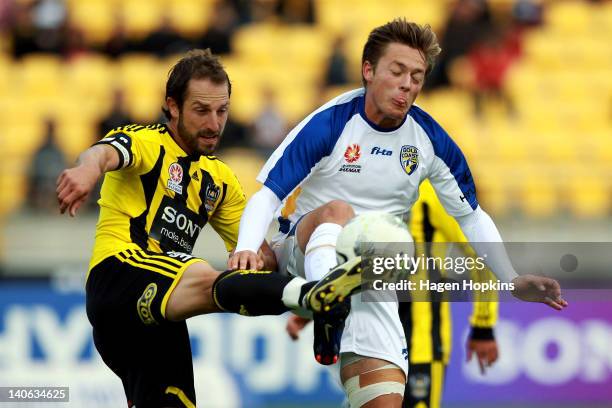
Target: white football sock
[
  {"x": 320, "y": 254},
  {"x": 292, "y": 293}
]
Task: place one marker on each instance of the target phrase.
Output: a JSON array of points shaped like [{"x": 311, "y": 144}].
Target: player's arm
[
  {"x": 483, "y": 347},
  {"x": 292, "y": 161},
  {"x": 117, "y": 150},
  {"x": 254, "y": 224},
  {"x": 452, "y": 180},
  {"x": 481, "y": 342},
  {"x": 75, "y": 184},
  {"x": 481, "y": 231}
]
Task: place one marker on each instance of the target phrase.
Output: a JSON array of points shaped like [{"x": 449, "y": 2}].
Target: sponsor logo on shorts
[
  {"x": 144, "y": 304},
  {"x": 179, "y": 255}
]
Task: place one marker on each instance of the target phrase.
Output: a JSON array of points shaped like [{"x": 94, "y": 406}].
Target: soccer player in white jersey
[{"x": 369, "y": 149}]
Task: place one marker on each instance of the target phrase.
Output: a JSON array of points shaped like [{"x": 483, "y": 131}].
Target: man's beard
[{"x": 191, "y": 139}]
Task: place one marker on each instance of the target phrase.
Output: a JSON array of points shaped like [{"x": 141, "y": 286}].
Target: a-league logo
[
  {"x": 175, "y": 177},
  {"x": 352, "y": 153},
  {"x": 409, "y": 158}
]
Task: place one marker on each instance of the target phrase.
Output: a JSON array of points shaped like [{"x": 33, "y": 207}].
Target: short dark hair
[
  {"x": 196, "y": 64},
  {"x": 401, "y": 31}
]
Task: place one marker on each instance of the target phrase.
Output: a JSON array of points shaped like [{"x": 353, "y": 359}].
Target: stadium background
[{"x": 537, "y": 134}]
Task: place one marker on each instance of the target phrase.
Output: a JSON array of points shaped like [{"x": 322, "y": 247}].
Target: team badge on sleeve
[
  {"x": 175, "y": 177},
  {"x": 409, "y": 158}
]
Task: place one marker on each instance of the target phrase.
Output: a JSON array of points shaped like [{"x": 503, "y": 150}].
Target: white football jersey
[{"x": 336, "y": 153}]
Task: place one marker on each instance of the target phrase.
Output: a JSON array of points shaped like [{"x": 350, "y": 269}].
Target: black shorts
[{"x": 126, "y": 299}]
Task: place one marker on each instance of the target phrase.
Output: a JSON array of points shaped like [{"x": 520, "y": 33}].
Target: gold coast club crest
[{"x": 409, "y": 158}]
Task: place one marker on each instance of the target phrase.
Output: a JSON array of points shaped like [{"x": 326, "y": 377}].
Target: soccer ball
[{"x": 374, "y": 233}]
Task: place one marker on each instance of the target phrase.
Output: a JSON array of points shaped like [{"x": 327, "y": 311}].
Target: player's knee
[
  {"x": 192, "y": 294},
  {"x": 383, "y": 387},
  {"x": 336, "y": 211}
]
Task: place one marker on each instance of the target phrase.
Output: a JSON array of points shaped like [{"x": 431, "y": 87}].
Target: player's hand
[
  {"x": 295, "y": 324},
  {"x": 485, "y": 350},
  {"x": 531, "y": 288},
  {"x": 74, "y": 185},
  {"x": 245, "y": 260}
]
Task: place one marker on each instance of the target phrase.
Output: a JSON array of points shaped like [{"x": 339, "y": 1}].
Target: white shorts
[{"x": 372, "y": 329}]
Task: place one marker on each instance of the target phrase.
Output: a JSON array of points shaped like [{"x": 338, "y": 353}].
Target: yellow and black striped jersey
[
  {"x": 428, "y": 324},
  {"x": 160, "y": 198}
]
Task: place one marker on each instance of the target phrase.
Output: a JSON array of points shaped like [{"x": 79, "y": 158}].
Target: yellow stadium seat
[
  {"x": 141, "y": 16},
  {"x": 297, "y": 102},
  {"x": 538, "y": 196},
  {"x": 494, "y": 189},
  {"x": 142, "y": 78},
  {"x": 40, "y": 75},
  {"x": 92, "y": 80},
  {"x": 189, "y": 17},
  {"x": 603, "y": 145},
  {"x": 589, "y": 196},
  {"x": 74, "y": 136},
  {"x": 7, "y": 79},
  {"x": 245, "y": 165},
  {"x": 508, "y": 143},
  {"x": 95, "y": 17},
  {"x": 22, "y": 139},
  {"x": 603, "y": 18},
  {"x": 522, "y": 80},
  {"x": 569, "y": 16},
  {"x": 337, "y": 17},
  {"x": 545, "y": 49},
  {"x": 245, "y": 101}
]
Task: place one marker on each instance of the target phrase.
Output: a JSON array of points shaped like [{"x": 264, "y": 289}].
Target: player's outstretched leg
[
  {"x": 254, "y": 293},
  {"x": 328, "y": 329},
  {"x": 336, "y": 286}
]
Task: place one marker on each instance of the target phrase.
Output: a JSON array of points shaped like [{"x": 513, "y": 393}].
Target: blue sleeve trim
[
  {"x": 313, "y": 142},
  {"x": 447, "y": 150}
]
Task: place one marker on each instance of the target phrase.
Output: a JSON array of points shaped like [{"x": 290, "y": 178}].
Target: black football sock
[{"x": 256, "y": 293}]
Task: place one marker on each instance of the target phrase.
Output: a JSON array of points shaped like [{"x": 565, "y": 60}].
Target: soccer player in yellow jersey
[
  {"x": 428, "y": 324},
  {"x": 161, "y": 187}
]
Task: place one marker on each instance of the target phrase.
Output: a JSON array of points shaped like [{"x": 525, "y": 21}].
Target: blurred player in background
[
  {"x": 427, "y": 325},
  {"x": 369, "y": 149},
  {"x": 161, "y": 187}
]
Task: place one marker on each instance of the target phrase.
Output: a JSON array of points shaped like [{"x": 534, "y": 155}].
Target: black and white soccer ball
[{"x": 375, "y": 233}]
